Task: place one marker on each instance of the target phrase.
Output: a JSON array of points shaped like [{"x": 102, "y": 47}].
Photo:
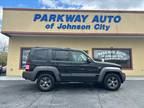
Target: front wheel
[
  {"x": 112, "y": 82},
  {"x": 45, "y": 82}
]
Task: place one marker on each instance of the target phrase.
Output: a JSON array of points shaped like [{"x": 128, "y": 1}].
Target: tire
[
  {"x": 45, "y": 82},
  {"x": 112, "y": 82}
]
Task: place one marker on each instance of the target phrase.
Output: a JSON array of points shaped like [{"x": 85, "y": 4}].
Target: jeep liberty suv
[{"x": 50, "y": 65}]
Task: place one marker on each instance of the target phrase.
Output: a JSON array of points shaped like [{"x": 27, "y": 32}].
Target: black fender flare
[
  {"x": 106, "y": 70},
  {"x": 47, "y": 69}
]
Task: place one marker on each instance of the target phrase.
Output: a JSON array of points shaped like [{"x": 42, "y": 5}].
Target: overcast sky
[{"x": 71, "y": 4}]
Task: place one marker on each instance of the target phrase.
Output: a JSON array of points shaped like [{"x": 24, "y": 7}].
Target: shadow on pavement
[{"x": 32, "y": 87}]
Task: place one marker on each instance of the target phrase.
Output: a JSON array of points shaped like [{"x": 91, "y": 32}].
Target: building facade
[{"x": 111, "y": 36}]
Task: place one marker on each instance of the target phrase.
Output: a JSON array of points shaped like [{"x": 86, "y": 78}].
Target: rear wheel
[
  {"x": 45, "y": 82},
  {"x": 112, "y": 82}
]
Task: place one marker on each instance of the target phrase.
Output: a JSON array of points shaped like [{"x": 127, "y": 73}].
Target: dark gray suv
[{"x": 50, "y": 65}]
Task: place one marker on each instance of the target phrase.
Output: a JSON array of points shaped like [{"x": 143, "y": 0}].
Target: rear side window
[
  {"x": 60, "y": 55},
  {"x": 40, "y": 54}
]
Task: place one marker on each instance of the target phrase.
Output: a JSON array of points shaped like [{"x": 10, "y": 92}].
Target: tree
[
  {"x": 3, "y": 52},
  {"x": 3, "y": 58},
  {"x": 3, "y": 46}
]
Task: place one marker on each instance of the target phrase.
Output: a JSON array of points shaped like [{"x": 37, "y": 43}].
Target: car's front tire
[
  {"x": 45, "y": 82},
  {"x": 112, "y": 82}
]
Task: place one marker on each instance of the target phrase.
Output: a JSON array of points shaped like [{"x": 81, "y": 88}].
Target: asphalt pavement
[{"x": 24, "y": 94}]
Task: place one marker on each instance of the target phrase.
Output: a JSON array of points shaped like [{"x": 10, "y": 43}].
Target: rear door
[{"x": 61, "y": 60}]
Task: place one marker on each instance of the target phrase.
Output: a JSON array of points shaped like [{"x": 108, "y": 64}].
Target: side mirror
[
  {"x": 88, "y": 60},
  {"x": 101, "y": 59}
]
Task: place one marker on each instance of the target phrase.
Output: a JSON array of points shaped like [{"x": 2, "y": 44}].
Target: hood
[{"x": 107, "y": 64}]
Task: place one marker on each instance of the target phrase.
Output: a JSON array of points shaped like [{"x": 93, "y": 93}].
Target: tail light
[{"x": 27, "y": 67}]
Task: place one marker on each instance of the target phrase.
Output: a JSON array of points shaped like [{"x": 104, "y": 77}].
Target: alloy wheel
[{"x": 112, "y": 82}]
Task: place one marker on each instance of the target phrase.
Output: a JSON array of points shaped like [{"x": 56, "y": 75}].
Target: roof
[
  {"x": 55, "y": 48},
  {"x": 73, "y": 10}
]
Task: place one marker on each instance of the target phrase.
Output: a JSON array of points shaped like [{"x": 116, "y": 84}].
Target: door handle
[{"x": 82, "y": 68}]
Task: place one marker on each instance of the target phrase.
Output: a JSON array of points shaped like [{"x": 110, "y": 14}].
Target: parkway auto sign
[
  {"x": 72, "y": 21},
  {"x": 77, "y": 21}
]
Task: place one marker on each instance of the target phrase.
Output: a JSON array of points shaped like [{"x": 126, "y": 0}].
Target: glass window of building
[{"x": 119, "y": 56}]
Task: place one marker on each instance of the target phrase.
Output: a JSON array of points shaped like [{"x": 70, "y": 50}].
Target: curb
[
  {"x": 20, "y": 78},
  {"x": 134, "y": 78},
  {"x": 10, "y": 78}
]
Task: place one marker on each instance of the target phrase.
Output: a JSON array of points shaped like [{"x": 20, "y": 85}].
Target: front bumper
[
  {"x": 28, "y": 76},
  {"x": 123, "y": 77}
]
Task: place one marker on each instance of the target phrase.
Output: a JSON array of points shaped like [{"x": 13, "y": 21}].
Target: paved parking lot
[{"x": 24, "y": 94}]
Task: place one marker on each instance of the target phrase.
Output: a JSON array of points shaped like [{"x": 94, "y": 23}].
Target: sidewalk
[
  {"x": 20, "y": 78},
  {"x": 10, "y": 78},
  {"x": 134, "y": 78}
]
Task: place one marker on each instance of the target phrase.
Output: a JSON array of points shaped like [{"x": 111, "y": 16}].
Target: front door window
[{"x": 78, "y": 57}]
